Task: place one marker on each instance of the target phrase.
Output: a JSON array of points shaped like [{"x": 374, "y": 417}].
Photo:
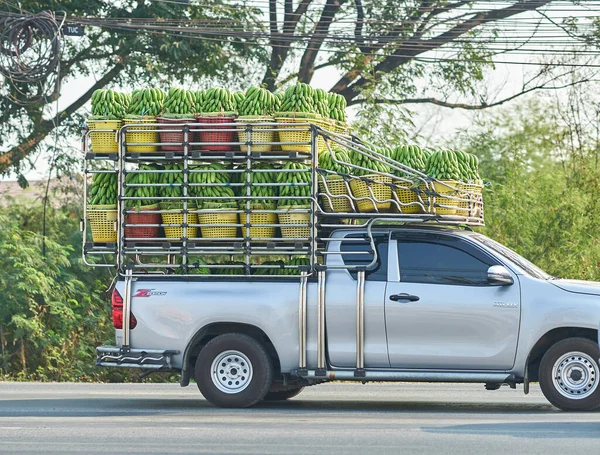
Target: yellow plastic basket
[
  {"x": 175, "y": 216},
  {"x": 443, "y": 187},
  {"x": 407, "y": 196},
  {"x": 104, "y": 142},
  {"x": 258, "y": 134},
  {"x": 381, "y": 192},
  {"x": 227, "y": 219},
  {"x": 335, "y": 126},
  {"x": 295, "y": 232},
  {"x": 473, "y": 199},
  {"x": 260, "y": 232},
  {"x": 142, "y": 137},
  {"x": 335, "y": 186},
  {"x": 103, "y": 220},
  {"x": 299, "y": 134}
]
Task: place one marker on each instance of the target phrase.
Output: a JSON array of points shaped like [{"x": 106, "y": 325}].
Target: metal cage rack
[{"x": 252, "y": 233}]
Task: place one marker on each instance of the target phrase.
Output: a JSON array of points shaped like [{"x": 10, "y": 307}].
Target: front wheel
[
  {"x": 569, "y": 375},
  {"x": 234, "y": 371}
]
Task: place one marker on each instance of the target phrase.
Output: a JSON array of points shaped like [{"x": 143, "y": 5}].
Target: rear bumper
[{"x": 147, "y": 359}]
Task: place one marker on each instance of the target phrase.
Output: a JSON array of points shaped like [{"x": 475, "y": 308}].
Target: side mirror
[{"x": 497, "y": 275}]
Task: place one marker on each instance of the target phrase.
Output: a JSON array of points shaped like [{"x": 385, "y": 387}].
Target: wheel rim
[
  {"x": 575, "y": 375},
  {"x": 231, "y": 371}
]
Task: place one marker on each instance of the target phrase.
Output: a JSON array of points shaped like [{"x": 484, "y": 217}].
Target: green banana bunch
[
  {"x": 175, "y": 181},
  {"x": 337, "y": 107},
  {"x": 321, "y": 102},
  {"x": 371, "y": 164},
  {"x": 278, "y": 101},
  {"x": 326, "y": 161},
  {"x": 443, "y": 165},
  {"x": 409, "y": 155},
  {"x": 262, "y": 195},
  {"x": 103, "y": 190},
  {"x": 289, "y": 184},
  {"x": 148, "y": 101},
  {"x": 276, "y": 268},
  {"x": 199, "y": 99},
  {"x": 217, "y": 100},
  {"x": 147, "y": 192},
  {"x": 239, "y": 98},
  {"x": 296, "y": 261},
  {"x": 231, "y": 270},
  {"x": 195, "y": 267},
  {"x": 258, "y": 101},
  {"x": 179, "y": 103},
  {"x": 468, "y": 165},
  {"x": 109, "y": 104},
  {"x": 299, "y": 98}
]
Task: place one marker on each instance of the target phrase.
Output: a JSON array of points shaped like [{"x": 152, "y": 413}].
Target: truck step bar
[
  {"x": 147, "y": 359},
  {"x": 408, "y": 376}
]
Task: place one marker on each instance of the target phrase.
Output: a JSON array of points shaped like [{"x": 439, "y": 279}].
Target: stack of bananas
[
  {"x": 339, "y": 165},
  {"x": 216, "y": 100},
  {"x": 337, "y": 107},
  {"x": 145, "y": 192},
  {"x": 179, "y": 103},
  {"x": 321, "y": 102},
  {"x": 195, "y": 267},
  {"x": 409, "y": 155},
  {"x": 275, "y": 268},
  {"x": 212, "y": 185},
  {"x": 295, "y": 184},
  {"x": 198, "y": 99},
  {"x": 370, "y": 163},
  {"x": 239, "y": 98},
  {"x": 109, "y": 104},
  {"x": 148, "y": 101},
  {"x": 262, "y": 195},
  {"x": 278, "y": 101},
  {"x": 299, "y": 98},
  {"x": 296, "y": 261},
  {"x": 174, "y": 179},
  {"x": 443, "y": 165},
  {"x": 468, "y": 165},
  {"x": 257, "y": 102},
  {"x": 104, "y": 189}
]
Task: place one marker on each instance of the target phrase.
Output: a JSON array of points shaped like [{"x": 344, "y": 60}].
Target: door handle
[{"x": 409, "y": 297}]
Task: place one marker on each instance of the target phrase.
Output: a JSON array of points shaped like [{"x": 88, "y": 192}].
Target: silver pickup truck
[{"x": 431, "y": 304}]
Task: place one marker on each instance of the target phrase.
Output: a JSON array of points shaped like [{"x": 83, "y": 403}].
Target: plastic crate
[
  {"x": 436, "y": 197},
  {"x": 175, "y": 136},
  {"x": 142, "y": 137},
  {"x": 104, "y": 142},
  {"x": 146, "y": 232},
  {"x": 290, "y": 217},
  {"x": 408, "y": 196},
  {"x": 335, "y": 186},
  {"x": 175, "y": 216},
  {"x": 361, "y": 188},
  {"x": 219, "y": 232},
  {"x": 102, "y": 220},
  {"x": 299, "y": 134},
  {"x": 225, "y": 122},
  {"x": 258, "y": 134}
]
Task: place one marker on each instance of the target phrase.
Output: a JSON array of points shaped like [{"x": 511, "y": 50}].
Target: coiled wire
[{"x": 30, "y": 46}]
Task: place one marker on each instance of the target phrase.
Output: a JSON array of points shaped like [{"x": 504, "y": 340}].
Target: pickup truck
[{"x": 430, "y": 303}]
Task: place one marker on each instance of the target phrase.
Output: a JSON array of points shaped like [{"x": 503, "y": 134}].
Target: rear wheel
[
  {"x": 234, "y": 371},
  {"x": 569, "y": 375},
  {"x": 280, "y": 395}
]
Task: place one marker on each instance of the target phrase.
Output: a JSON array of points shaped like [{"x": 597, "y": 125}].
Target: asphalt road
[{"x": 329, "y": 418}]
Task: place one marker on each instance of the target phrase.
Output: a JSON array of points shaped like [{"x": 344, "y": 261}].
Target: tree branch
[
  {"x": 414, "y": 47},
  {"x": 317, "y": 39},
  {"x": 471, "y": 107},
  {"x": 42, "y": 129}
]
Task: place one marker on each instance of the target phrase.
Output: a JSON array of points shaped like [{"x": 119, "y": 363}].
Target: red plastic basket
[
  {"x": 217, "y": 136},
  {"x": 175, "y": 136},
  {"x": 146, "y": 232}
]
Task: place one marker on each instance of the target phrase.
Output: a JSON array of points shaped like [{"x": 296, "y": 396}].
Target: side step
[
  {"x": 410, "y": 376},
  {"x": 148, "y": 359}
]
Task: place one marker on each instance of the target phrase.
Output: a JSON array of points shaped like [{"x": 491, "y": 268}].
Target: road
[{"x": 329, "y": 418}]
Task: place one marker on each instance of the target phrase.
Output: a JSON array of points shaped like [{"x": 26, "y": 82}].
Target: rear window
[{"x": 361, "y": 254}]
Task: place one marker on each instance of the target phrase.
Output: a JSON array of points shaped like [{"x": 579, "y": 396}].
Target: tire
[
  {"x": 569, "y": 375},
  {"x": 234, "y": 371},
  {"x": 280, "y": 395}
]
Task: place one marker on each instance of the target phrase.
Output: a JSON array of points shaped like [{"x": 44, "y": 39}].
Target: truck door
[
  {"x": 442, "y": 313},
  {"x": 341, "y": 303}
]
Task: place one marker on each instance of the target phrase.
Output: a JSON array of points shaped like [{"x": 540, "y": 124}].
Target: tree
[{"x": 120, "y": 57}]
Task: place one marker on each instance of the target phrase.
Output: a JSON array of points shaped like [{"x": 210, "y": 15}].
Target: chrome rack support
[
  {"x": 302, "y": 323},
  {"x": 321, "y": 371},
  {"x": 127, "y": 309},
  {"x": 360, "y": 325}
]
